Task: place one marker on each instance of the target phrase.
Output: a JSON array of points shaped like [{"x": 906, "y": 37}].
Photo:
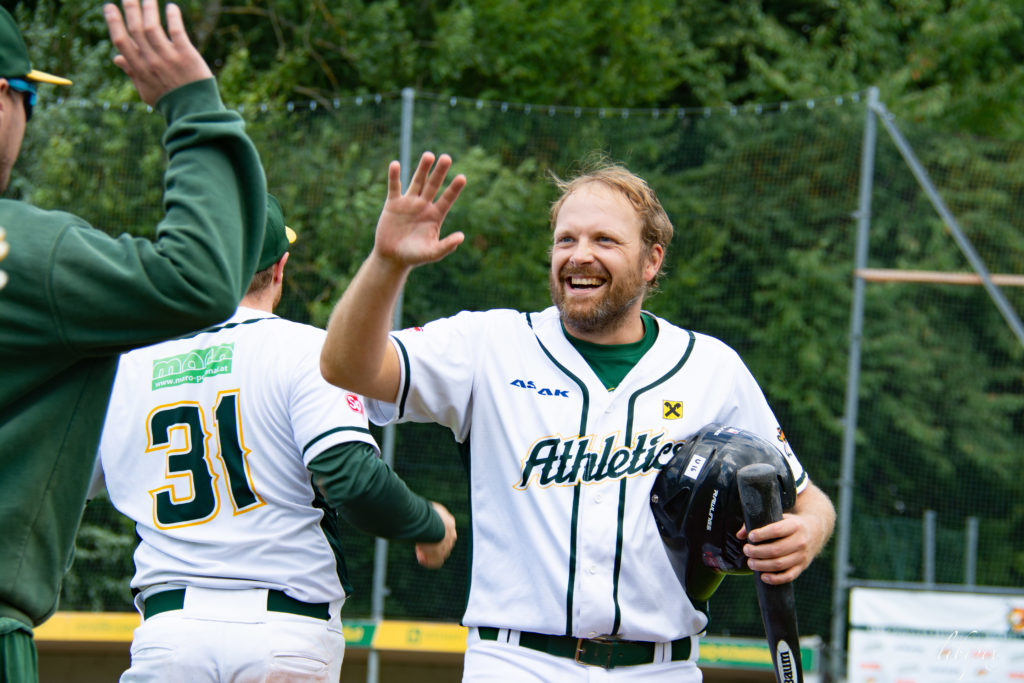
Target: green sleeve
[
  {"x": 105, "y": 294},
  {"x": 371, "y": 497}
]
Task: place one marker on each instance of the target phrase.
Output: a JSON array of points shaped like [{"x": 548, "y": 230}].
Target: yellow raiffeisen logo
[
  {"x": 556, "y": 461},
  {"x": 1016, "y": 619},
  {"x": 192, "y": 367},
  {"x": 672, "y": 410}
]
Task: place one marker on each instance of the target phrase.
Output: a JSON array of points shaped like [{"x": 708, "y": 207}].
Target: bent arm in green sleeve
[
  {"x": 368, "y": 494},
  {"x": 107, "y": 294}
]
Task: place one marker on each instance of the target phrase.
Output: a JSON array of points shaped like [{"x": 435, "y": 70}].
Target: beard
[{"x": 603, "y": 314}]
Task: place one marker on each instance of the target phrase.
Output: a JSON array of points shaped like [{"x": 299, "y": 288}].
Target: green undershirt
[
  {"x": 612, "y": 362},
  {"x": 369, "y": 495}
]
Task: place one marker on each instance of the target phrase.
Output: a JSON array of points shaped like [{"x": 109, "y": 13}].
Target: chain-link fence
[{"x": 764, "y": 200}]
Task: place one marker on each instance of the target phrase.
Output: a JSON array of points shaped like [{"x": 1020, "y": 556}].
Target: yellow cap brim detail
[
  {"x": 43, "y": 77},
  {"x": 290, "y": 234}
]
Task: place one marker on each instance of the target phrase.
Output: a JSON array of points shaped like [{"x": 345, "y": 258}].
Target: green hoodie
[{"x": 78, "y": 297}]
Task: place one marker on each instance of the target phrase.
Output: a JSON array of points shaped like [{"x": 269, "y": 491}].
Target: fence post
[
  {"x": 380, "y": 555},
  {"x": 951, "y": 224},
  {"x": 971, "y": 552},
  {"x": 837, "y": 647},
  {"x": 928, "y": 548}
]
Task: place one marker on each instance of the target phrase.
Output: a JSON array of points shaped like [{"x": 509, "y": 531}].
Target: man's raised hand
[
  {"x": 156, "y": 61},
  {"x": 409, "y": 228}
]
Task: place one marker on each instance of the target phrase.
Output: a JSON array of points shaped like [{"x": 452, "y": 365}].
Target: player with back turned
[
  {"x": 231, "y": 454},
  {"x": 76, "y": 297},
  {"x": 568, "y": 415}
]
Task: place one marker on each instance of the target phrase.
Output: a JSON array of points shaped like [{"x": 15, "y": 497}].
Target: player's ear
[
  {"x": 655, "y": 257},
  {"x": 279, "y": 268}
]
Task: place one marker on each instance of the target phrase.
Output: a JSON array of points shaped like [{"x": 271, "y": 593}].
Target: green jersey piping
[
  {"x": 622, "y": 485},
  {"x": 584, "y": 410}
]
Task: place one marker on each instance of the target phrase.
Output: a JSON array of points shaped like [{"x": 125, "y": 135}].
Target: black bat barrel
[{"x": 762, "y": 505}]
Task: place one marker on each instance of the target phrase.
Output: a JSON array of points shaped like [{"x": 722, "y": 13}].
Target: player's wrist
[{"x": 386, "y": 266}]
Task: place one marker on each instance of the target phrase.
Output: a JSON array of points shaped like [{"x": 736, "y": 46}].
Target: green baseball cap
[
  {"x": 14, "y": 62},
  {"x": 277, "y": 237}
]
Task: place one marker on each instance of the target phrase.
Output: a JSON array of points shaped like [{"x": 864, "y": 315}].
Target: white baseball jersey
[
  {"x": 560, "y": 468},
  {"x": 205, "y": 446}
]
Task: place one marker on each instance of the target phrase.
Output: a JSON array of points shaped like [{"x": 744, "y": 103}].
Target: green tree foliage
[
  {"x": 762, "y": 188},
  {"x": 956, "y": 63}
]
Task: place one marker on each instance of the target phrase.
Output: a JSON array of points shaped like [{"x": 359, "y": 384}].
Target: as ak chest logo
[
  {"x": 554, "y": 461},
  {"x": 542, "y": 391}
]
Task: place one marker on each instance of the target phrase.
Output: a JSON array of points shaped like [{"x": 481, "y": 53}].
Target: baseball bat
[{"x": 762, "y": 504}]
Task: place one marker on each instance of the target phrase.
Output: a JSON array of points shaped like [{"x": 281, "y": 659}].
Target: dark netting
[{"x": 764, "y": 201}]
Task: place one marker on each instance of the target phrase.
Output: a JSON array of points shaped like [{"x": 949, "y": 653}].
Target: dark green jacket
[{"x": 78, "y": 297}]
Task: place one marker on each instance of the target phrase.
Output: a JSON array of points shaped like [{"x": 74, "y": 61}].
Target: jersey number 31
[{"x": 191, "y": 466}]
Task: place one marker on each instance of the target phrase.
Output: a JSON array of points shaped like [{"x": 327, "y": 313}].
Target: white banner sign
[{"x": 901, "y": 636}]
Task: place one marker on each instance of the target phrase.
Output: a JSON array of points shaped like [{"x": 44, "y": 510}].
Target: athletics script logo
[
  {"x": 192, "y": 367},
  {"x": 565, "y": 462}
]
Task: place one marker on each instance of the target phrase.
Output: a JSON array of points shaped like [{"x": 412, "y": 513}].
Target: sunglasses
[{"x": 28, "y": 90}]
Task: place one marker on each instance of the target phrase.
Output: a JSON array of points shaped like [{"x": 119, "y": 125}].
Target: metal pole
[
  {"x": 928, "y": 549},
  {"x": 965, "y": 244},
  {"x": 380, "y": 590},
  {"x": 846, "y": 471},
  {"x": 971, "y": 552}
]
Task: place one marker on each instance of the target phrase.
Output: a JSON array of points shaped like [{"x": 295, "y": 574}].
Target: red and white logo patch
[{"x": 354, "y": 403}]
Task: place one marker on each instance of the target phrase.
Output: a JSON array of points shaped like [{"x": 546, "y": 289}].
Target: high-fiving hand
[
  {"x": 409, "y": 228},
  {"x": 156, "y": 61},
  {"x": 3, "y": 252}
]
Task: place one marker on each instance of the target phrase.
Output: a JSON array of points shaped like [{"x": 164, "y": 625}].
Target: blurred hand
[
  {"x": 157, "y": 62},
  {"x": 433, "y": 555},
  {"x": 4, "y": 248}
]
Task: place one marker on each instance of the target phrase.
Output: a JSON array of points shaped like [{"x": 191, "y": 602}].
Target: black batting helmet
[{"x": 696, "y": 504}]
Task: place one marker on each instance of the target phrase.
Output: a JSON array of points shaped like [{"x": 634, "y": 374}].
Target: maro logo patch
[{"x": 193, "y": 366}]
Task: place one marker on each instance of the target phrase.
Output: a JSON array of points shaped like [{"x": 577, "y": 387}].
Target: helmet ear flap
[
  {"x": 675, "y": 509},
  {"x": 670, "y": 502}
]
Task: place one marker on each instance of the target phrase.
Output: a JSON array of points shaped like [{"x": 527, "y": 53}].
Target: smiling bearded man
[
  {"x": 600, "y": 264},
  {"x": 562, "y": 418}
]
